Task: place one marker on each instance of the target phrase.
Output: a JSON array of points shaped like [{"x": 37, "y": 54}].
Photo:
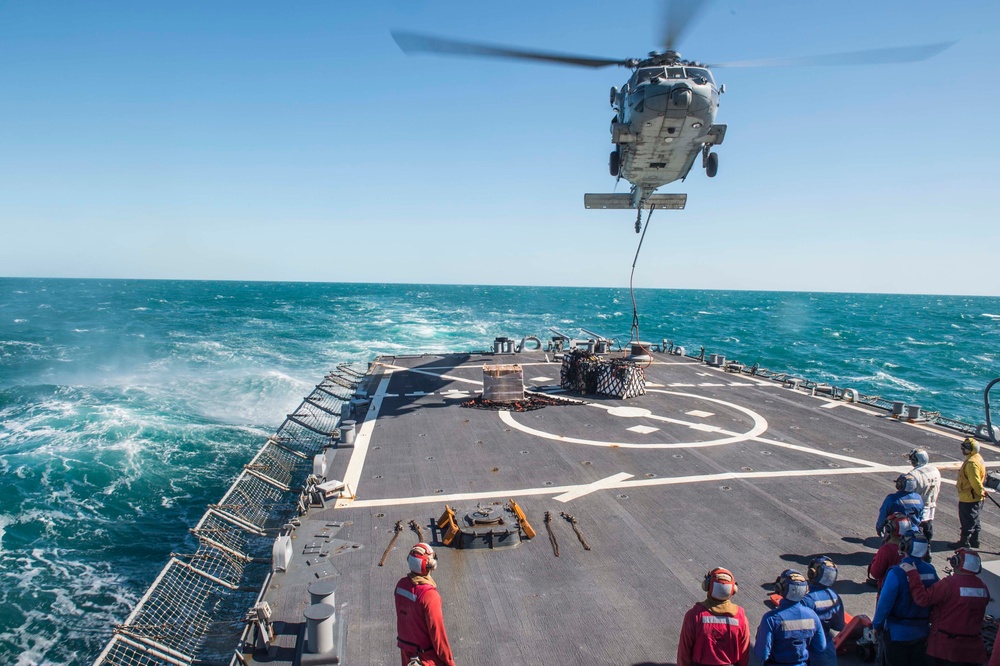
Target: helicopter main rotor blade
[
  {"x": 871, "y": 57},
  {"x": 678, "y": 16},
  {"x": 411, "y": 42}
]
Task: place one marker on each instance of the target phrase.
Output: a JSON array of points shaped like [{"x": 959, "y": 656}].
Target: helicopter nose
[{"x": 664, "y": 97}]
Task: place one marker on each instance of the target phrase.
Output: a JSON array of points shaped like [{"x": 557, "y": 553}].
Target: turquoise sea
[{"x": 127, "y": 406}]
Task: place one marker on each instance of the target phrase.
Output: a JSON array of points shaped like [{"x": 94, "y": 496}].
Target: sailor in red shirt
[
  {"x": 715, "y": 631},
  {"x": 958, "y": 605},
  {"x": 888, "y": 554},
  {"x": 419, "y": 623}
]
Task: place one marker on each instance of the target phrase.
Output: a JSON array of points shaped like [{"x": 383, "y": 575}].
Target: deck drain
[
  {"x": 848, "y": 449},
  {"x": 765, "y": 453},
  {"x": 522, "y": 452},
  {"x": 834, "y": 464},
  {"x": 650, "y": 475},
  {"x": 495, "y": 469},
  {"x": 430, "y": 457},
  {"x": 586, "y": 462},
  {"x": 794, "y": 428},
  {"x": 862, "y": 436},
  {"x": 421, "y": 435},
  {"x": 677, "y": 455},
  {"x": 376, "y": 448},
  {"x": 377, "y": 476},
  {"x": 726, "y": 487},
  {"x": 825, "y": 482},
  {"x": 506, "y": 429},
  {"x": 623, "y": 496},
  {"x": 548, "y": 483},
  {"x": 747, "y": 469},
  {"x": 439, "y": 490},
  {"x": 479, "y": 441},
  {"x": 380, "y": 515}
]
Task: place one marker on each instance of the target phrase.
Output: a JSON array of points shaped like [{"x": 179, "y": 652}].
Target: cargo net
[
  {"x": 588, "y": 374},
  {"x": 528, "y": 404},
  {"x": 194, "y": 611}
]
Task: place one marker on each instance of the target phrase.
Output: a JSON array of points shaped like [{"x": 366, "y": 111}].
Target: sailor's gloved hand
[{"x": 907, "y": 567}]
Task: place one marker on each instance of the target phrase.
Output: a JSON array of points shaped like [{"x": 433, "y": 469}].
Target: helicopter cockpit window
[
  {"x": 675, "y": 72},
  {"x": 700, "y": 75},
  {"x": 646, "y": 75}
]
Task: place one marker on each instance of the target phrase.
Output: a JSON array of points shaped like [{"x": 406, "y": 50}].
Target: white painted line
[
  {"x": 677, "y": 384},
  {"x": 740, "y": 384},
  {"x": 542, "y": 379},
  {"x": 642, "y": 430},
  {"x": 654, "y": 385},
  {"x": 704, "y": 427},
  {"x": 634, "y": 483},
  {"x": 352, "y": 477},
  {"x": 699, "y": 413},
  {"x": 818, "y": 452},
  {"x": 601, "y": 484},
  {"x": 710, "y": 384},
  {"x": 759, "y": 428},
  {"x": 418, "y": 393},
  {"x": 831, "y": 405}
]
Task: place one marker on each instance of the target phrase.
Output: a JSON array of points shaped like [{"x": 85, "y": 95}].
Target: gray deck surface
[{"x": 809, "y": 480}]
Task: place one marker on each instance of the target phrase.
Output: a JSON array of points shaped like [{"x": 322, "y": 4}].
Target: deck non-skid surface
[{"x": 707, "y": 469}]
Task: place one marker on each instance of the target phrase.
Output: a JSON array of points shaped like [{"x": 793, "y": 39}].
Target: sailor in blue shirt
[
  {"x": 901, "y": 625},
  {"x": 905, "y": 501},
  {"x": 828, "y": 606},
  {"x": 791, "y": 632}
]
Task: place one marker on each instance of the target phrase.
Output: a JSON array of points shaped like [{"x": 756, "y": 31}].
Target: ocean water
[{"x": 127, "y": 406}]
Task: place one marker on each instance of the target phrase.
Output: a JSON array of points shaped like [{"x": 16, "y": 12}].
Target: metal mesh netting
[
  {"x": 579, "y": 372},
  {"x": 620, "y": 378},
  {"x": 195, "y": 609},
  {"x": 586, "y": 373}
]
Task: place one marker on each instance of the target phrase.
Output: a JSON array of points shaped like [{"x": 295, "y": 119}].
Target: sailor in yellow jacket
[{"x": 971, "y": 493}]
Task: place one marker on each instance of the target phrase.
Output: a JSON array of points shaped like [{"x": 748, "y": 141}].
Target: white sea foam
[
  {"x": 20, "y": 321},
  {"x": 991, "y": 316}
]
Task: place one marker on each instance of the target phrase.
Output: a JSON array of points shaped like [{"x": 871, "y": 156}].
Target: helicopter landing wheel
[
  {"x": 613, "y": 163},
  {"x": 712, "y": 166}
]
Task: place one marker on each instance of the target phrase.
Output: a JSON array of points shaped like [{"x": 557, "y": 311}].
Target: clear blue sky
[{"x": 294, "y": 141}]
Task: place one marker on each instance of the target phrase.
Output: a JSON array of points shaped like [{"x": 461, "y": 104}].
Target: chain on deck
[{"x": 194, "y": 611}]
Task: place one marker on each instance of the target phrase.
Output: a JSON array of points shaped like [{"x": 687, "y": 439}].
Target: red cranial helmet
[
  {"x": 422, "y": 559},
  {"x": 966, "y": 561},
  {"x": 720, "y": 584}
]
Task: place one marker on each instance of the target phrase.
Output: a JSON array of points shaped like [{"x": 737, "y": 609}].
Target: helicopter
[{"x": 664, "y": 115}]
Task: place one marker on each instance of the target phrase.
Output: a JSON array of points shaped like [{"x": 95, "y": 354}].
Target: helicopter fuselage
[{"x": 665, "y": 119}]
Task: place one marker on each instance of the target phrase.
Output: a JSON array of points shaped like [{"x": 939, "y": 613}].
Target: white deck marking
[
  {"x": 418, "y": 393},
  {"x": 759, "y": 427},
  {"x": 818, "y": 452},
  {"x": 352, "y": 476},
  {"x": 678, "y": 384},
  {"x": 654, "y": 385},
  {"x": 600, "y": 484},
  {"x": 710, "y": 384},
  {"x": 642, "y": 430},
  {"x": 831, "y": 405},
  {"x": 740, "y": 384},
  {"x": 542, "y": 379},
  {"x": 699, "y": 413},
  {"x": 629, "y": 412},
  {"x": 623, "y": 485},
  {"x": 704, "y": 427}
]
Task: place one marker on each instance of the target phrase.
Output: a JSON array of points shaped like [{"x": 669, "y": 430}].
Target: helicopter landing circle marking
[
  {"x": 629, "y": 412},
  {"x": 759, "y": 427}
]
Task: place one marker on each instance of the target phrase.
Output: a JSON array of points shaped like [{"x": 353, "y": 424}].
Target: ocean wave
[{"x": 991, "y": 316}]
